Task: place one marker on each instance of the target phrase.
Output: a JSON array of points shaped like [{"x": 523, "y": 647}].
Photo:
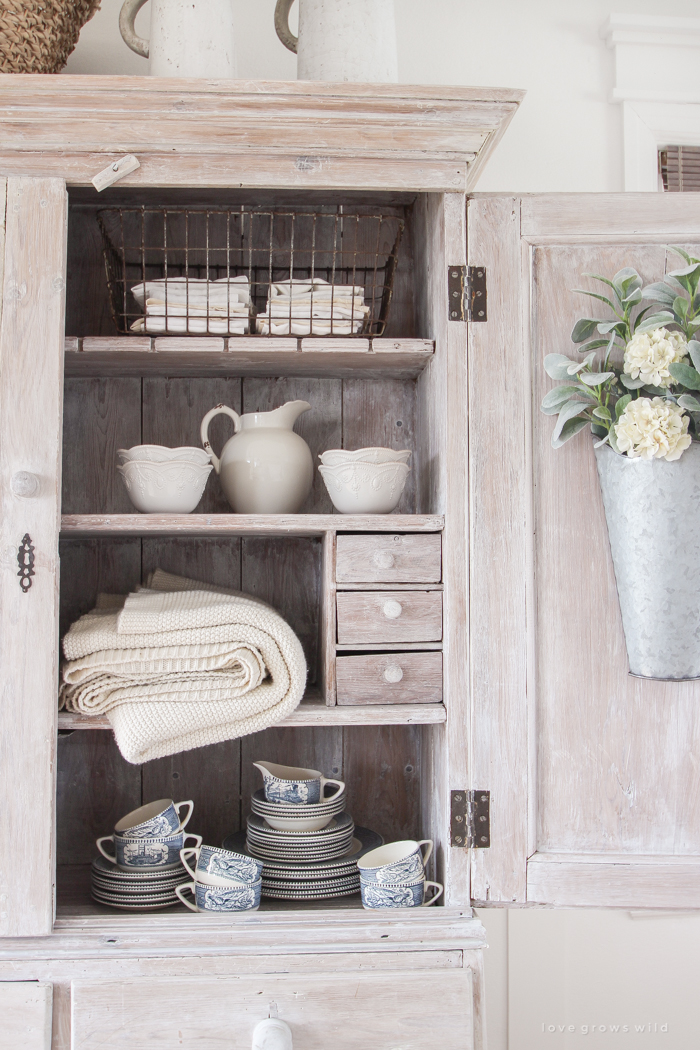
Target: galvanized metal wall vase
[{"x": 639, "y": 399}]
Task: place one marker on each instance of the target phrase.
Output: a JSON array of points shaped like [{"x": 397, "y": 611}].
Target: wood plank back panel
[
  {"x": 498, "y": 562},
  {"x": 173, "y": 410},
  {"x": 382, "y": 773},
  {"x": 381, "y": 413},
  {"x": 87, "y": 296},
  {"x": 616, "y": 759},
  {"x": 99, "y": 417},
  {"x": 30, "y": 408}
]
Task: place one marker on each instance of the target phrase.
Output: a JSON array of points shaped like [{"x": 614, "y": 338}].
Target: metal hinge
[
  {"x": 470, "y": 822},
  {"x": 466, "y": 292}
]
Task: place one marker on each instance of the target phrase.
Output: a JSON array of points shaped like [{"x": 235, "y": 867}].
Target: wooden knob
[
  {"x": 392, "y": 609},
  {"x": 393, "y": 674},
  {"x": 384, "y": 559},
  {"x": 24, "y": 484}
]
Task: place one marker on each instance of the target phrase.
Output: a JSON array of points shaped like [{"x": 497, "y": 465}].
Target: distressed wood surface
[
  {"x": 389, "y": 559},
  {"x": 362, "y": 679},
  {"x": 246, "y": 524},
  {"x": 199, "y": 1011},
  {"x": 26, "y": 1014},
  {"x": 327, "y": 621},
  {"x": 314, "y": 713},
  {"x": 380, "y": 413},
  {"x": 382, "y": 772},
  {"x": 30, "y": 408},
  {"x": 637, "y": 218},
  {"x": 253, "y": 356},
  {"x": 499, "y": 563},
  {"x": 570, "y": 880},
  {"x": 363, "y": 616}
]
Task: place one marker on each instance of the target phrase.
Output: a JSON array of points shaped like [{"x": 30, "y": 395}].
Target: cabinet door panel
[
  {"x": 603, "y": 797},
  {"x": 31, "y": 386},
  {"x": 415, "y": 1011},
  {"x": 25, "y": 1007}
]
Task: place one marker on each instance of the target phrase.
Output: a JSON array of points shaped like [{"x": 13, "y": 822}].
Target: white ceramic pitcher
[
  {"x": 265, "y": 468},
  {"x": 342, "y": 40},
  {"x": 189, "y": 38}
]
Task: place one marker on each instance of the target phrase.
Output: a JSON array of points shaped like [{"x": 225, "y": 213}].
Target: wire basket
[{"x": 239, "y": 271}]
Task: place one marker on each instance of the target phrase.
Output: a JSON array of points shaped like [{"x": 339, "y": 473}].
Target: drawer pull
[
  {"x": 24, "y": 484},
  {"x": 383, "y": 559},
  {"x": 272, "y": 1034},
  {"x": 392, "y": 609},
  {"x": 393, "y": 674}
]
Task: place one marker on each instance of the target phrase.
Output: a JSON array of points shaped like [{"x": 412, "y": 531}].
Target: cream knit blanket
[{"x": 178, "y": 665}]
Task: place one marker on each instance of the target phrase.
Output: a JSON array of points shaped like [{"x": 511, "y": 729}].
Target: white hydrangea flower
[
  {"x": 648, "y": 355},
  {"x": 653, "y": 429}
]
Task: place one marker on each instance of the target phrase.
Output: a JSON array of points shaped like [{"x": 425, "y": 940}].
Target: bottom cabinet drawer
[
  {"x": 389, "y": 678},
  {"x": 345, "y": 1011}
]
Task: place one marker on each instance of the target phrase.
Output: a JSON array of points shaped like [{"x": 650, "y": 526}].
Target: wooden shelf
[
  {"x": 125, "y": 355},
  {"x": 244, "y": 524},
  {"x": 314, "y": 713}
]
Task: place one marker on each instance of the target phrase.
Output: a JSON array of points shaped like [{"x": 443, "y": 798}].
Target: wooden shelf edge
[
  {"x": 244, "y": 524},
  {"x": 312, "y": 714}
]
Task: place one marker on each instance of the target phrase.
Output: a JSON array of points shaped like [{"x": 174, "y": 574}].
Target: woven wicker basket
[{"x": 37, "y": 36}]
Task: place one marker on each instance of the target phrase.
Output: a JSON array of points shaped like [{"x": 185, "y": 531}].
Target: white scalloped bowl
[
  {"x": 365, "y": 488},
  {"x": 175, "y": 487},
  {"x": 337, "y": 457},
  {"x": 163, "y": 454}
]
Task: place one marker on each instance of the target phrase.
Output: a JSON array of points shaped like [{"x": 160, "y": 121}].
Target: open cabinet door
[
  {"x": 594, "y": 775},
  {"x": 31, "y": 387}
]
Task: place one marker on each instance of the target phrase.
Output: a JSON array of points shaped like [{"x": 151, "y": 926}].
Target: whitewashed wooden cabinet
[{"x": 503, "y": 670}]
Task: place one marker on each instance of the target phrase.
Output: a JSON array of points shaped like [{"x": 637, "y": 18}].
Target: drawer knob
[
  {"x": 272, "y": 1034},
  {"x": 392, "y": 609},
  {"x": 384, "y": 559},
  {"x": 24, "y": 484},
  {"x": 393, "y": 674}
]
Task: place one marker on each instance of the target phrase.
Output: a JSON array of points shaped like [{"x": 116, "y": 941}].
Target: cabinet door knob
[
  {"x": 393, "y": 674},
  {"x": 272, "y": 1034},
  {"x": 392, "y": 609},
  {"x": 384, "y": 559},
  {"x": 24, "y": 484}
]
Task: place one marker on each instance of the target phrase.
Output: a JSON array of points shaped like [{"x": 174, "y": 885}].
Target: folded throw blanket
[{"x": 180, "y": 664}]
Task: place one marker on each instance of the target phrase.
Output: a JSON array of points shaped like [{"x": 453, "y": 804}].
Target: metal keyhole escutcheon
[{"x": 25, "y": 560}]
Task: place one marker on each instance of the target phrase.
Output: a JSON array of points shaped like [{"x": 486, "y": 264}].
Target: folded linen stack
[
  {"x": 193, "y": 306},
  {"x": 180, "y": 664},
  {"x": 313, "y": 307}
]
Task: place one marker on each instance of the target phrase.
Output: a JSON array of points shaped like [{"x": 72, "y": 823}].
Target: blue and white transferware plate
[
  {"x": 363, "y": 841},
  {"x": 337, "y": 826}
]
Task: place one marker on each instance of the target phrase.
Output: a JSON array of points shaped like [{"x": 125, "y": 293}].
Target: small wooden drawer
[
  {"x": 389, "y": 678},
  {"x": 389, "y": 616},
  {"x": 387, "y": 558}
]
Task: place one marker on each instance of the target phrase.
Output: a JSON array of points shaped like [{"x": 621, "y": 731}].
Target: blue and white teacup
[
  {"x": 146, "y": 853},
  {"x": 154, "y": 820},
  {"x": 221, "y": 867},
  {"x": 396, "y": 862},
  {"x": 235, "y": 897},
  {"x": 295, "y": 785},
  {"x": 398, "y": 895}
]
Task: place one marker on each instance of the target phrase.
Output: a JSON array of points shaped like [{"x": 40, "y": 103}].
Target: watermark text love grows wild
[{"x": 648, "y": 1028}]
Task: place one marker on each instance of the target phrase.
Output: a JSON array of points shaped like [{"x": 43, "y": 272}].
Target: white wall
[
  {"x": 567, "y": 136},
  {"x": 580, "y": 968}
]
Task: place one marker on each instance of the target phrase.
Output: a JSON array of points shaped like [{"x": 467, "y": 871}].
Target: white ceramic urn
[
  {"x": 342, "y": 40},
  {"x": 188, "y": 38},
  {"x": 265, "y": 468}
]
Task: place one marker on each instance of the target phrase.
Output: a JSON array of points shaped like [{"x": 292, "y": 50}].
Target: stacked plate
[
  {"x": 135, "y": 890},
  {"x": 309, "y": 847},
  {"x": 322, "y": 879},
  {"x": 285, "y": 817}
]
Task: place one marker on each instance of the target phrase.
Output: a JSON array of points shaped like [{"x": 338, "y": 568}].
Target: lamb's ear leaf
[
  {"x": 583, "y": 329},
  {"x": 689, "y": 403},
  {"x": 558, "y": 395},
  {"x": 621, "y": 405},
  {"x": 556, "y": 366},
  {"x": 567, "y": 412},
  {"x": 603, "y": 441},
  {"x": 694, "y": 351},
  {"x": 569, "y": 430},
  {"x": 660, "y": 293},
  {"x": 595, "y": 295},
  {"x": 686, "y": 375},
  {"x": 654, "y": 321},
  {"x": 682, "y": 252},
  {"x": 613, "y": 441},
  {"x": 630, "y": 383},
  {"x": 596, "y": 378}
]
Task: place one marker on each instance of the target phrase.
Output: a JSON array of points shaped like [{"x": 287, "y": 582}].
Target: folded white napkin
[
  {"x": 301, "y": 289},
  {"x": 301, "y": 327},
  {"x": 191, "y": 325},
  {"x": 195, "y": 291}
]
